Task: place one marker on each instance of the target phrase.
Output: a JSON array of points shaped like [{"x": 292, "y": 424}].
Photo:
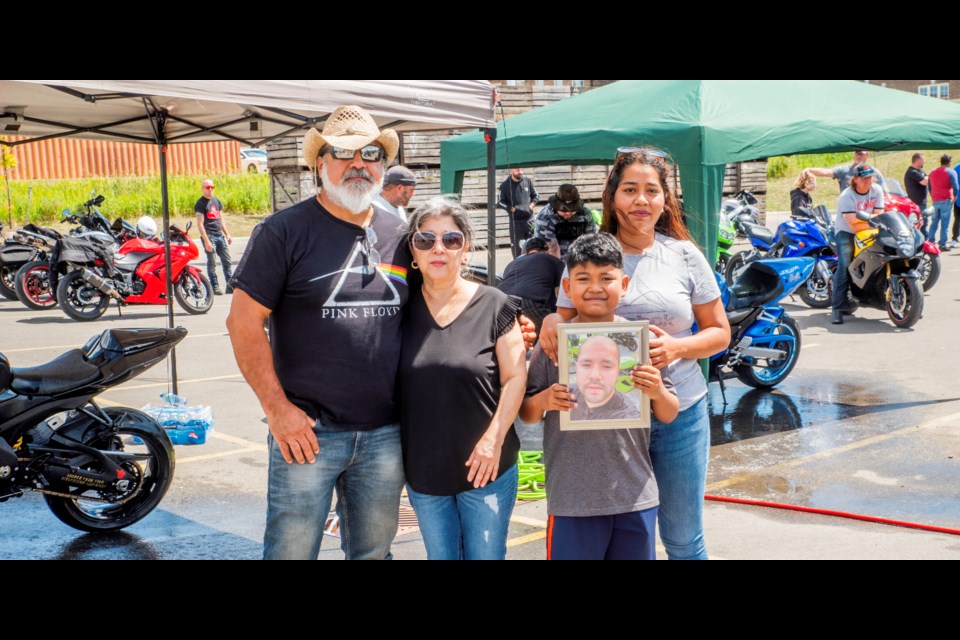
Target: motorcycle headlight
[{"x": 906, "y": 245}]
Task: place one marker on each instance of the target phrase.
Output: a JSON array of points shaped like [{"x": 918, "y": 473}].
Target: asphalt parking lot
[{"x": 869, "y": 422}]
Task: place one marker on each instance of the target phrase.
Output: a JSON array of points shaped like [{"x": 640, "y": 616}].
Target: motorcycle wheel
[
  {"x": 150, "y": 477},
  {"x": 929, "y": 270},
  {"x": 721, "y": 266},
  {"x": 775, "y": 371},
  {"x": 8, "y": 278},
  {"x": 33, "y": 286},
  {"x": 816, "y": 292},
  {"x": 905, "y": 305},
  {"x": 79, "y": 300},
  {"x": 194, "y": 293},
  {"x": 735, "y": 263}
]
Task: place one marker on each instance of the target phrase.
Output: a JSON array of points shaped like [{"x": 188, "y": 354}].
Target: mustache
[{"x": 357, "y": 173}]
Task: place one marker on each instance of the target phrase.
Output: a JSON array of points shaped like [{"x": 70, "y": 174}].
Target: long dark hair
[{"x": 671, "y": 220}]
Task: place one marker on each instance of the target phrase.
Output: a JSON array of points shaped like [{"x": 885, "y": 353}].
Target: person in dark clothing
[
  {"x": 534, "y": 278},
  {"x": 216, "y": 238},
  {"x": 800, "y": 197},
  {"x": 518, "y": 197},
  {"x": 564, "y": 219},
  {"x": 915, "y": 182}
]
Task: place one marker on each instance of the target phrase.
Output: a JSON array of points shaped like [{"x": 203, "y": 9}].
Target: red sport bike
[{"x": 137, "y": 275}]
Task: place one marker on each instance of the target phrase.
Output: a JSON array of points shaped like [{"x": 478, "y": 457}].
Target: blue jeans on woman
[
  {"x": 680, "y": 451},
  {"x": 468, "y": 526},
  {"x": 365, "y": 468}
]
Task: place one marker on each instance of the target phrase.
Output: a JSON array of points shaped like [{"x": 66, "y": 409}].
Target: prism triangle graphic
[{"x": 358, "y": 268}]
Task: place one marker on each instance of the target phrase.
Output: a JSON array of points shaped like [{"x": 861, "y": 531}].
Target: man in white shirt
[{"x": 399, "y": 184}]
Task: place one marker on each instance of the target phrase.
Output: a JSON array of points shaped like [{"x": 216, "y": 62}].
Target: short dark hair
[
  {"x": 945, "y": 160},
  {"x": 535, "y": 244},
  {"x": 600, "y": 249},
  {"x": 916, "y": 157}
]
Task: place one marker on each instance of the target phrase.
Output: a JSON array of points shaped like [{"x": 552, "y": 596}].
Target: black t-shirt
[
  {"x": 212, "y": 211},
  {"x": 335, "y": 326},
  {"x": 449, "y": 389},
  {"x": 915, "y": 191},
  {"x": 533, "y": 276}
]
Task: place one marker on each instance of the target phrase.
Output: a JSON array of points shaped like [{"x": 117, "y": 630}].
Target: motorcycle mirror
[
  {"x": 189, "y": 225},
  {"x": 65, "y": 213},
  {"x": 863, "y": 215},
  {"x": 98, "y": 201}
]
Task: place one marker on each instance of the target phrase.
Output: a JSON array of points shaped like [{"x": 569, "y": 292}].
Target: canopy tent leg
[
  {"x": 165, "y": 203},
  {"x": 491, "y": 139}
]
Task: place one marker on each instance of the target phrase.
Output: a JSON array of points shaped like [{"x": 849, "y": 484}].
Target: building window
[
  {"x": 514, "y": 83},
  {"x": 538, "y": 83},
  {"x": 576, "y": 83},
  {"x": 941, "y": 90},
  {"x": 558, "y": 83}
]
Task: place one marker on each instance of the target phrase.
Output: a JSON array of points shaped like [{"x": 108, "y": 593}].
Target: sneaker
[
  {"x": 953, "y": 244},
  {"x": 217, "y": 292},
  {"x": 945, "y": 247}
]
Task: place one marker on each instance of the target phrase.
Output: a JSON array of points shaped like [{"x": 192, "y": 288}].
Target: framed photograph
[{"x": 595, "y": 363}]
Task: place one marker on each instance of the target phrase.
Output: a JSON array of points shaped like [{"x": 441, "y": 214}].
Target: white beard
[{"x": 355, "y": 197}]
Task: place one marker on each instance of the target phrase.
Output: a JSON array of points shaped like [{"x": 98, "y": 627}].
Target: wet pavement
[{"x": 868, "y": 422}]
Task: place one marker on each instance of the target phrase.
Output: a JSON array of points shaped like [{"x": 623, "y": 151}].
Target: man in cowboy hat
[
  {"x": 564, "y": 219},
  {"x": 329, "y": 274}
]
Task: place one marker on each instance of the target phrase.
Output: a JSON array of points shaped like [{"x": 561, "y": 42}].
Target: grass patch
[
  {"x": 782, "y": 171},
  {"x": 132, "y": 197}
]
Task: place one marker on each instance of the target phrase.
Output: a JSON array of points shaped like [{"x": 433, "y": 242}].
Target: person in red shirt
[{"x": 943, "y": 192}]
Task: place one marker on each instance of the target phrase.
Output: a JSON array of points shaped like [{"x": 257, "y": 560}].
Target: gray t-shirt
[
  {"x": 665, "y": 280},
  {"x": 844, "y": 172},
  {"x": 592, "y": 473},
  {"x": 851, "y": 201}
]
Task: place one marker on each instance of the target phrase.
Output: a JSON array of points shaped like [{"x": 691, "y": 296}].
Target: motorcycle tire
[
  {"x": 736, "y": 262},
  {"x": 33, "y": 286},
  {"x": 906, "y": 306},
  {"x": 929, "y": 270},
  {"x": 151, "y": 478},
  {"x": 8, "y": 278},
  {"x": 774, "y": 372},
  {"x": 815, "y": 292},
  {"x": 194, "y": 293},
  {"x": 79, "y": 300}
]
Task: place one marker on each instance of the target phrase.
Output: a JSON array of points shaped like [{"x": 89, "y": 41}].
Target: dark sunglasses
[
  {"x": 568, "y": 208},
  {"x": 369, "y": 153},
  {"x": 656, "y": 153},
  {"x": 427, "y": 240}
]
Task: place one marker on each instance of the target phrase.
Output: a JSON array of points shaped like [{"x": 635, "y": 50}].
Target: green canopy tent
[{"x": 704, "y": 124}]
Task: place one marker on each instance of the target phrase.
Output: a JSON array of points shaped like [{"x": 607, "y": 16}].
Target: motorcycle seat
[
  {"x": 756, "y": 286},
  {"x": 757, "y": 231},
  {"x": 67, "y": 372},
  {"x": 737, "y": 316}
]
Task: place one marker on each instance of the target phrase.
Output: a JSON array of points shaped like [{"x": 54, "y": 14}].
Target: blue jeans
[
  {"x": 468, "y": 526},
  {"x": 841, "y": 279},
  {"x": 222, "y": 249},
  {"x": 680, "y": 451},
  {"x": 365, "y": 468},
  {"x": 941, "y": 216}
]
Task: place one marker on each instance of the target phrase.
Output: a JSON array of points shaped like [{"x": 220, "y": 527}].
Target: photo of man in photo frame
[{"x": 602, "y": 391}]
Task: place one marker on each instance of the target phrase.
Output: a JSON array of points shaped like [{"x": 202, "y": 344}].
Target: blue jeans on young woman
[
  {"x": 841, "y": 279},
  {"x": 941, "y": 216},
  {"x": 222, "y": 249},
  {"x": 365, "y": 468},
  {"x": 680, "y": 451},
  {"x": 467, "y": 526}
]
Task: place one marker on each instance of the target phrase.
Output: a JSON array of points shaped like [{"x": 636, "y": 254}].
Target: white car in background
[{"x": 253, "y": 160}]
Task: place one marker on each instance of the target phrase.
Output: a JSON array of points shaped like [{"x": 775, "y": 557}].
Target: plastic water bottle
[{"x": 173, "y": 399}]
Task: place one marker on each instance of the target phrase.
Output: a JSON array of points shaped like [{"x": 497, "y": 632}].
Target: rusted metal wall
[{"x": 68, "y": 158}]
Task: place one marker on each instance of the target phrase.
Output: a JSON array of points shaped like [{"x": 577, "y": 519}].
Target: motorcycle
[
  {"x": 138, "y": 276},
  {"x": 741, "y": 208},
  {"x": 764, "y": 339},
  {"x": 99, "y": 469},
  {"x": 28, "y": 244},
  {"x": 725, "y": 237},
  {"x": 36, "y": 281},
  {"x": 896, "y": 200},
  {"x": 884, "y": 271}
]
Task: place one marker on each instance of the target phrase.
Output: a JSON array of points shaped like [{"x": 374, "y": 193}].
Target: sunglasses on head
[
  {"x": 655, "y": 153},
  {"x": 427, "y": 240},
  {"x": 369, "y": 153}
]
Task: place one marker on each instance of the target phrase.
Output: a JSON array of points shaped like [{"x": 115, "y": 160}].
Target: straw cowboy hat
[{"x": 349, "y": 127}]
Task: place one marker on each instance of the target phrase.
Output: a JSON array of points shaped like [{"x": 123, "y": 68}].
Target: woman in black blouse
[
  {"x": 462, "y": 379},
  {"x": 800, "y": 196}
]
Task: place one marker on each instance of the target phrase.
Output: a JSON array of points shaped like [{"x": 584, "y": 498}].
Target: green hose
[{"x": 532, "y": 483}]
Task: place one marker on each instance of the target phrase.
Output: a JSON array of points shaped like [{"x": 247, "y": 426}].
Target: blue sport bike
[{"x": 764, "y": 339}]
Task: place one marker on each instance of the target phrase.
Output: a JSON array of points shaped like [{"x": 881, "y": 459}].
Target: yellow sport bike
[{"x": 883, "y": 273}]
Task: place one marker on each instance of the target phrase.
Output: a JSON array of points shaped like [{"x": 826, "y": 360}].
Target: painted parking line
[
  {"x": 212, "y": 456},
  {"x": 59, "y": 347},
  {"x": 829, "y": 453},
  {"x": 810, "y": 345},
  {"x": 155, "y": 385}
]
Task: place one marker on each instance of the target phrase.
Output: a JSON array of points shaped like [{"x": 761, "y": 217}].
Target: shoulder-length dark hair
[{"x": 671, "y": 220}]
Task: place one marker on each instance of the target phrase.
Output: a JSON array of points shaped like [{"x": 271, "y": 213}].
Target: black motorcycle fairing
[
  {"x": 757, "y": 231},
  {"x": 5, "y": 373},
  {"x": 63, "y": 374},
  {"x": 757, "y": 285}
]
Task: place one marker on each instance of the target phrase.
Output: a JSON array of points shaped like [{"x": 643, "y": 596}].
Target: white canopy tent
[{"x": 253, "y": 112}]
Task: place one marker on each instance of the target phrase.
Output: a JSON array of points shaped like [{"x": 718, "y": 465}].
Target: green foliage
[{"x": 132, "y": 197}]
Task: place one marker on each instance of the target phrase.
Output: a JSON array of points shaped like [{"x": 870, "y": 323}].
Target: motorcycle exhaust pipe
[{"x": 99, "y": 283}]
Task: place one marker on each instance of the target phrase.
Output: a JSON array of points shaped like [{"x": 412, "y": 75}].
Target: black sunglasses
[
  {"x": 369, "y": 153},
  {"x": 427, "y": 240}
]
